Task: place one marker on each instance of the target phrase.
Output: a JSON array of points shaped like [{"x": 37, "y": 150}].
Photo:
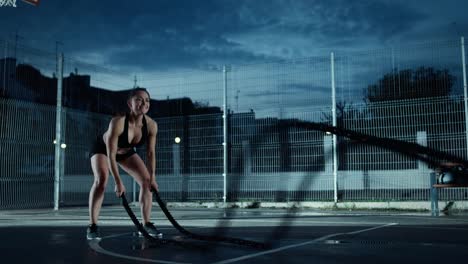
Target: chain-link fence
[{"x": 413, "y": 93}]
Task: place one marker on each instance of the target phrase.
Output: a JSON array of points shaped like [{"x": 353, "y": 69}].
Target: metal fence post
[
  {"x": 58, "y": 133},
  {"x": 465, "y": 94},
  {"x": 225, "y": 134},
  {"x": 335, "y": 160},
  {"x": 63, "y": 134}
]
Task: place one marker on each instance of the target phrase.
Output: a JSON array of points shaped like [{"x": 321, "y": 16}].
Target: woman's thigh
[
  {"x": 136, "y": 168},
  {"x": 100, "y": 167}
]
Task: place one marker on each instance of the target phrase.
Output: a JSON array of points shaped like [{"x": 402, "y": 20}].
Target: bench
[{"x": 435, "y": 194}]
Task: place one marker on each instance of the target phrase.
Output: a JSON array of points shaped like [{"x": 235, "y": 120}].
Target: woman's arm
[
  {"x": 151, "y": 151},
  {"x": 116, "y": 127}
]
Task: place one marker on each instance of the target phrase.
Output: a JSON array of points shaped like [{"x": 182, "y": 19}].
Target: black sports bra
[{"x": 123, "y": 138}]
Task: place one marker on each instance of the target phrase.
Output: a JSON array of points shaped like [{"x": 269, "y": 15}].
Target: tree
[
  {"x": 410, "y": 84},
  {"x": 439, "y": 115}
]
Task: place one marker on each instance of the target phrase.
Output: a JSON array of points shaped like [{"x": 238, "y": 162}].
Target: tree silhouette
[
  {"x": 420, "y": 102},
  {"x": 424, "y": 82},
  {"x": 388, "y": 113}
]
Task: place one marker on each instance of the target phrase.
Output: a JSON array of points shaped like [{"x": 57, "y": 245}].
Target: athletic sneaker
[
  {"x": 93, "y": 233},
  {"x": 152, "y": 230}
]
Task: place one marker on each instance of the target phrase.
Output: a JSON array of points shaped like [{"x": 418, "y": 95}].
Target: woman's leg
[
  {"x": 136, "y": 168},
  {"x": 100, "y": 167}
]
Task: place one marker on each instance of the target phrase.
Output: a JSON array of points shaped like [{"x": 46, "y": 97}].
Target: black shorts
[{"x": 99, "y": 147}]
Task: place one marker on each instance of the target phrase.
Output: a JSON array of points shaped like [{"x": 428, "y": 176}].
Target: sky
[{"x": 149, "y": 36}]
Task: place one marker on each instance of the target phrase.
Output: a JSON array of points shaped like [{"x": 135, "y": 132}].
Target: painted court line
[
  {"x": 310, "y": 222},
  {"x": 233, "y": 260},
  {"x": 370, "y": 229},
  {"x": 436, "y": 227},
  {"x": 94, "y": 244}
]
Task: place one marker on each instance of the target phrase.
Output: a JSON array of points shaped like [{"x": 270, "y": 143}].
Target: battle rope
[
  {"x": 139, "y": 226},
  {"x": 237, "y": 241},
  {"x": 434, "y": 158},
  {"x": 431, "y": 156}
]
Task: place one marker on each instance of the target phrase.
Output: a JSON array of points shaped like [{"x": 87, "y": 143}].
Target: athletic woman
[{"x": 116, "y": 147}]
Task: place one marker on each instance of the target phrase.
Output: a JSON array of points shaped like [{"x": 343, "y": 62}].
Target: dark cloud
[
  {"x": 290, "y": 89},
  {"x": 367, "y": 18},
  {"x": 168, "y": 34}
]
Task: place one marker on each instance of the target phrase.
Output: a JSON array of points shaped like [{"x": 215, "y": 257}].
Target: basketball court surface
[{"x": 303, "y": 236}]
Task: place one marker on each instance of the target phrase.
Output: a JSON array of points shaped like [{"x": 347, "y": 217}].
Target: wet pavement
[{"x": 46, "y": 236}]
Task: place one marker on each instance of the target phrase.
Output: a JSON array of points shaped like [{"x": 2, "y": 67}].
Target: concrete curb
[{"x": 404, "y": 206}]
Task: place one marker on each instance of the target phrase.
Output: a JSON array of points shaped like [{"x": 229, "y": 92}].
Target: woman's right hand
[{"x": 119, "y": 189}]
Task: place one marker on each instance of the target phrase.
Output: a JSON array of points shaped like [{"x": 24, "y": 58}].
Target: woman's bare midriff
[
  {"x": 123, "y": 150},
  {"x": 119, "y": 150}
]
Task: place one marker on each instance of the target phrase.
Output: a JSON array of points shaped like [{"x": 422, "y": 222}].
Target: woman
[{"x": 117, "y": 147}]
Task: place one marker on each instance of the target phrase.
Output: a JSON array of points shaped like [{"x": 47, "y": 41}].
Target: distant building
[
  {"x": 267, "y": 141},
  {"x": 25, "y": 82}
]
